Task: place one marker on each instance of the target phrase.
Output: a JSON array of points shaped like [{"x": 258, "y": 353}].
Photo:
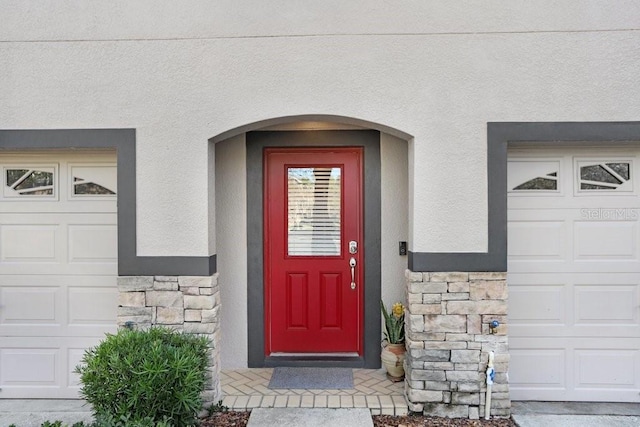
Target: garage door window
[
  {"x": 599, "y": 176},
  {"x": 29, "y": 181},
  {"x": 93, "y": 180},
  {"x": 526, "y": 176}
]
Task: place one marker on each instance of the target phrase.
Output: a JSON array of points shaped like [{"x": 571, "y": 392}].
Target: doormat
[{"x": 311, "y": 378}]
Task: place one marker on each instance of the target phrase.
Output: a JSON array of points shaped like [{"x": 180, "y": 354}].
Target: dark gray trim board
[
  {"x": 255, "y": 143},
  {"x": 124, "y": 142},
  {"x": 499, "y": 137}
]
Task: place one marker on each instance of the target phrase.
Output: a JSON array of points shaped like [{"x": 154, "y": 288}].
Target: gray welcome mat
[{"x": 311, "y": 378}]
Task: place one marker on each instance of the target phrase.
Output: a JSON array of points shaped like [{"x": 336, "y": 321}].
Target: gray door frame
[{"x": 256, "y": 142}]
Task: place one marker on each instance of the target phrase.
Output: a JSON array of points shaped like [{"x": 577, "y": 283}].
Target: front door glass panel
[{"x": 313, "y": 208}]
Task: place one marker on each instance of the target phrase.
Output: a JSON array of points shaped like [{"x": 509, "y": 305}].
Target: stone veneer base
[
  {"x": 185, "y": 303},
  {"x": 449, "y": 340}
]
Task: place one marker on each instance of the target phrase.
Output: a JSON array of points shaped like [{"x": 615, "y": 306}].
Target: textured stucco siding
[
  {"x": 393, "y": 163},
  {"x": 183, "y": 72},
  {"x": 231, "y": 207},
  {"x": 149, "y": 19}
]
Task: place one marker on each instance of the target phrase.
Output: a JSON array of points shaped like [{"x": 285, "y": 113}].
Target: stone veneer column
[
  {"x": 449, "y": 340},
  {"x": 184, "y": 303}
]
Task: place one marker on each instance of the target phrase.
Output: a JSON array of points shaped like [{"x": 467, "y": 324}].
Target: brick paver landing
[{"x": 245, "y": 389}]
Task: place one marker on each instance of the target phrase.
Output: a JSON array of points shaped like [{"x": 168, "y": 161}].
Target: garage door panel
[
  {"x": 61, "y": 244},
  {"x": 29, "y": 243},
  {"x": 84, "y": 269},
  {"x": 42, "y": 367},
  {"x": 568, "y": 267},
  {"x": 537, "y": 368},
  {"x": 538, "y": 308},
  {"x": 574, "y": 369},
  {"x": 54, "y": 268},
  {"x": 609, "y": 305},
  {"x": 74, "y": 359},
  {"x": 537, "y": 304},
  {"x": 605, "y": 240},
  {"x": 33, "y": 367},
  {"x": 32, "y": 306},
  {"x": 92, "y": 243},
  {"x": 542, "y": 240},
  {"x": 583, "y": 395},
  {"x": 538, "y": 331},
  {"x": 83, "y": 309},
  {"x": 29, "y": 280},
  {"x": 56, "y": 331},
  {"x": 620, "y": 368},
  {"x": 74, "y": 305}
]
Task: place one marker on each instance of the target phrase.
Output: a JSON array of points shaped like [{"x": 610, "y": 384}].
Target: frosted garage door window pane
[
  {"x": 605, "y": 176},
  {"x": 29, "y": 181},
  {"x": 313, "y": 207}
]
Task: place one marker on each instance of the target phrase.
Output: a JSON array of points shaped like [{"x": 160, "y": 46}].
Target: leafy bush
[
  {"x": 58, "y": 423},
  {"x": 144, "y": 378},
  {"x": 217, "y": 407},
  {"x": 107, "y": 420}
]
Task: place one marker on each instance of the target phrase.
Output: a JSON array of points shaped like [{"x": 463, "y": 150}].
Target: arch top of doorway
[{"x": 310, "y": 122}]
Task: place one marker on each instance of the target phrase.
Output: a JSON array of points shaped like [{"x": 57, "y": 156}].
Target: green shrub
[
  {"x": 217, "y": 407},
  {"x": 107, "y": 420},
  {"x": 57, "y": 423},
  {"x": 144, "y": 377}
]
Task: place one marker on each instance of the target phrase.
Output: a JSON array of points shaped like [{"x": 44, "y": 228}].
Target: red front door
[{"x": 313, "y": 250}]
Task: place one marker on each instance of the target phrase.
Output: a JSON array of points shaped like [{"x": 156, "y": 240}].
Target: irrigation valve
[{"x": 493, "y": 327}]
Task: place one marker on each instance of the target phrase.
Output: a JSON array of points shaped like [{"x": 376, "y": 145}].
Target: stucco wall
[
  {"x": 231, "y": 228},
  {"x": 124, "y": 19},
  {"x": 183, "y": 72},
  {"x": 394, "y": 216}
]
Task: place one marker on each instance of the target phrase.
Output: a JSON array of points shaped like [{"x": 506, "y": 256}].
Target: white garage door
[
  {"x": 574, "y": 274},
  {"x": 58, "y": 267}
]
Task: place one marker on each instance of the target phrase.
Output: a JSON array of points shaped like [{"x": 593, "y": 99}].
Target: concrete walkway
[
  {"x": 576, "y": 421},
  {"x": 32, "y": 413},
  {"x": 296, "y": 417},
  {"x": 576, "y": 414}
]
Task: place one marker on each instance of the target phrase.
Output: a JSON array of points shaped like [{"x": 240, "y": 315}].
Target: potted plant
[{"x": 393, "y": 353}]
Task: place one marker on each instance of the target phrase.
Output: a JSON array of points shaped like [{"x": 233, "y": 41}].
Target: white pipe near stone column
[{"x": 491, "y": 373}]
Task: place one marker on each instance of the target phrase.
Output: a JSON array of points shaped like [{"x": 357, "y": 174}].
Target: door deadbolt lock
[{"x": 353, "y": 247}]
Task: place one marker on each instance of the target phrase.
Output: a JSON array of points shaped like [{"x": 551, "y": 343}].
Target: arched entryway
[{"x": 239, "y": 233}]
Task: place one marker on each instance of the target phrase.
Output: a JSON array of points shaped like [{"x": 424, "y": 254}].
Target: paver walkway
[{"x": 246, "y": 389}]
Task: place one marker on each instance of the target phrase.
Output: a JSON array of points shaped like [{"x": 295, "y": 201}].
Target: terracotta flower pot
[{"x": 393, "y": 360}]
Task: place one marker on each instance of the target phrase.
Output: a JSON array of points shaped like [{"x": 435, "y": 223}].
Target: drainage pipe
[{"x": 491, "y": 374}]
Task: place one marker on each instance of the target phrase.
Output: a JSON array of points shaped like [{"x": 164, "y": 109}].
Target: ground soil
[
  {"x": 421, "y": 421},
  {"x": 240, "y": 419},
  {"x": 226, "y": 419}
]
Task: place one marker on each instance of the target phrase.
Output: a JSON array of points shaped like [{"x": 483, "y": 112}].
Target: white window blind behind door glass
[{"x": 313, "y": 205}]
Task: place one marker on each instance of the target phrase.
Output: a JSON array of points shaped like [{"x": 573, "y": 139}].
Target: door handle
[{"x": 352, "y": 264}]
